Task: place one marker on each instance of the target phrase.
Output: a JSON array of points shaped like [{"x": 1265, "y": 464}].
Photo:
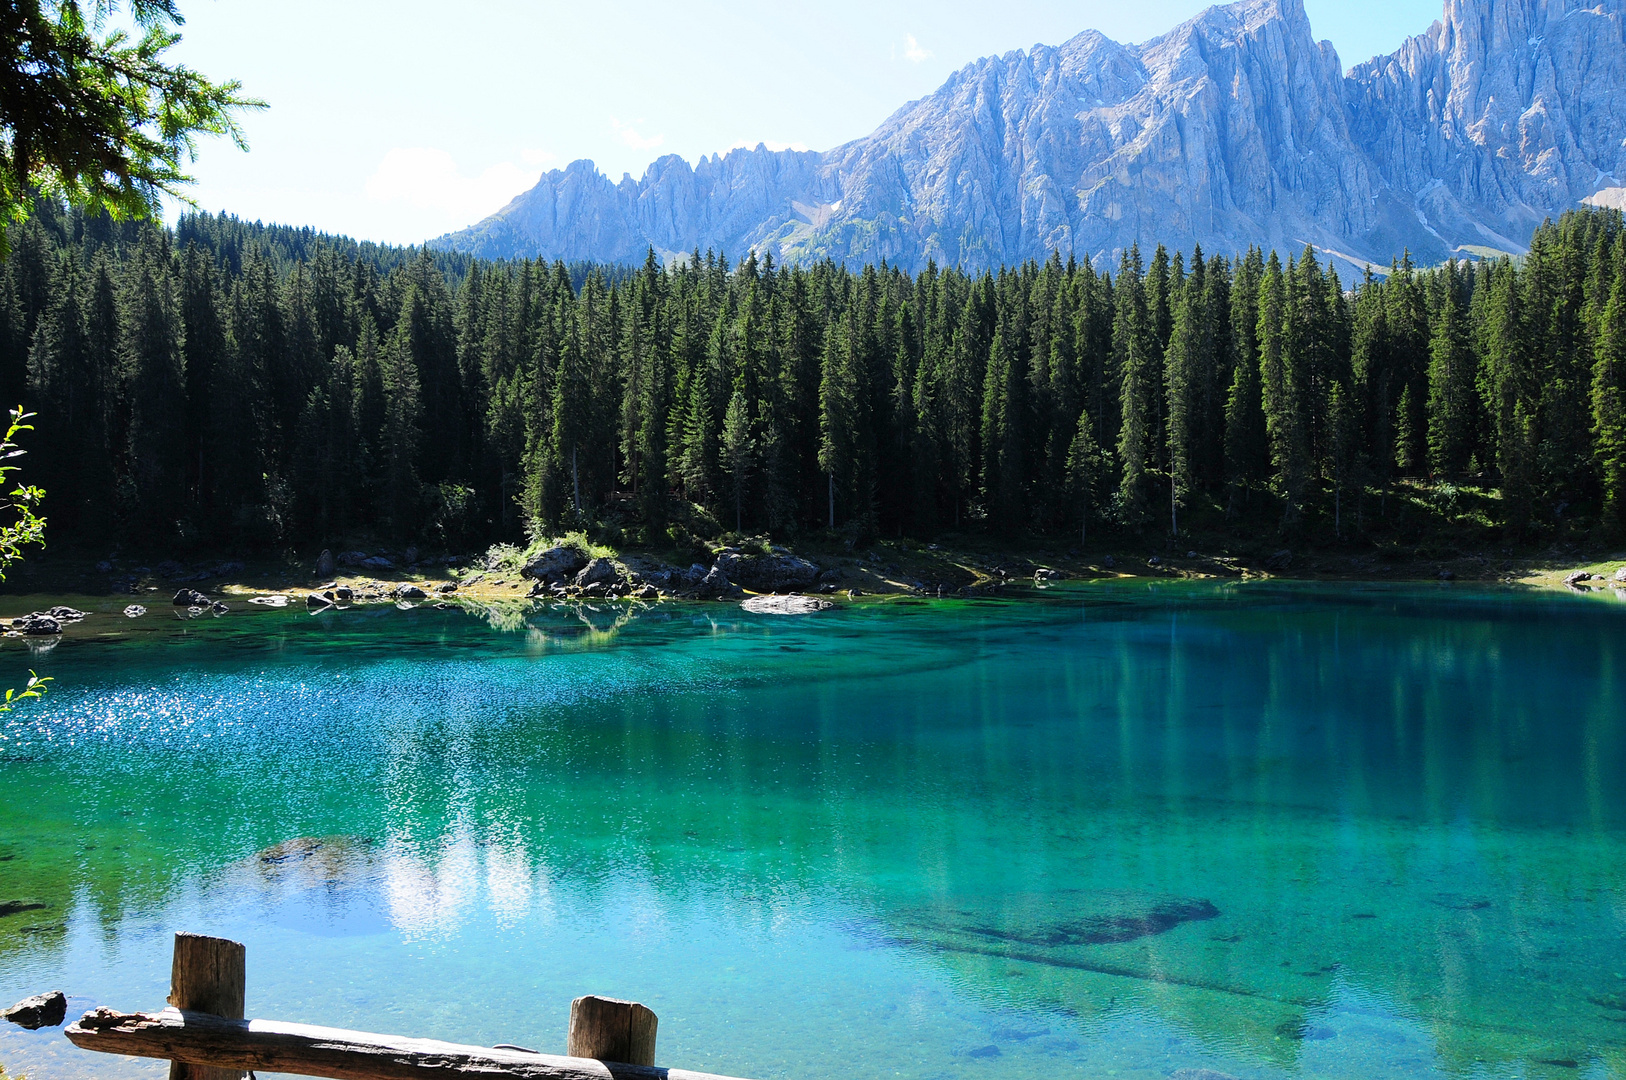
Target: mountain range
[{"x": 1236, "y": 128}]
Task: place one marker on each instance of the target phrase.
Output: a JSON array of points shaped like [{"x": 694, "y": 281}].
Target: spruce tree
[
  {"x": 1451, "y": 404},
  {"x": 1135, "y": 349},
  {"x": 1609, "y": 399},
  {"x": 738, "y": 447}
]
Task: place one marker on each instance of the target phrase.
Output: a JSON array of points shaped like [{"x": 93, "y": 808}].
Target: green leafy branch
[
  {"x": 27, "y": 528},
  {"x": 95, "y": 116}
]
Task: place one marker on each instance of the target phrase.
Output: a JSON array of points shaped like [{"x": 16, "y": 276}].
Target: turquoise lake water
[{"x": 1111, "y": 830}]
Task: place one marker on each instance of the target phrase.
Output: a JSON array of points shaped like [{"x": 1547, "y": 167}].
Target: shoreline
[{"x": 884, "y": 571}]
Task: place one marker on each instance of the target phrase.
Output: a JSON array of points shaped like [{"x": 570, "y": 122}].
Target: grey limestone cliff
[{"x": 1236, "y": 128}]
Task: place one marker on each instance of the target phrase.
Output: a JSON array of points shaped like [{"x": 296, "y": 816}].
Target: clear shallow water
[{"x": 1118, "y": 831}]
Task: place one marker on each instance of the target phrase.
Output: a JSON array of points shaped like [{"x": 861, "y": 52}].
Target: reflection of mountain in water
[{"x": 1271, "y": 826}]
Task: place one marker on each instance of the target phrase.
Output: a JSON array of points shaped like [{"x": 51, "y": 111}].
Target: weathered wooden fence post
[
  {"x": 208, "y": 975},
  {"x": 611, "y": 1030}
]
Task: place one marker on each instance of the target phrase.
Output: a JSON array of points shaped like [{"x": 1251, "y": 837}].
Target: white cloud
[
  {"x": 635, "y": 139},
  {"x": 428, "y": 179},
  {"x": 747, "y": 144},
  {"x": 913, "y": 51},
  {"x": 535, "y": 156}
]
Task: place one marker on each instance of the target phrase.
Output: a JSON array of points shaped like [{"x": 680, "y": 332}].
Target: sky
[{"x": 399, "y": 121}]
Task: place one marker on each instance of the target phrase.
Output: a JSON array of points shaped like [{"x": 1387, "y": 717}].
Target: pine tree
[
  {"x": 401, "y": 438},
  {"x": 1086, "y": 470},
  {"x": 1609, "y": 398},
  {"x": 1451, "y": 404},
  {"x": 1279, "y": 391},
  {"x": 738, "y": 447},
  {"x": 1134, "y": 340}
]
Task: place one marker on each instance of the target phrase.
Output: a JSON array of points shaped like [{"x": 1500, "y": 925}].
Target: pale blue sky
[{"x": 399, "y": 121}]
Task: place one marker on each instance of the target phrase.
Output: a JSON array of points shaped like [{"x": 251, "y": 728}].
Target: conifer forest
[{"x": 229, "y": 384}]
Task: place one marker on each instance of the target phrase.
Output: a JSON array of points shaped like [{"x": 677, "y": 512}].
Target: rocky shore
[{"x": 737, "y": 574}]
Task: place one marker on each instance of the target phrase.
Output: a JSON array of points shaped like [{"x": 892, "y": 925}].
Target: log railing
[{"x": 205, "y": 1037}]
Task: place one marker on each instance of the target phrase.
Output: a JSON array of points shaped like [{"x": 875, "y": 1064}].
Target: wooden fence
[{"x": 205, "y": 1036}]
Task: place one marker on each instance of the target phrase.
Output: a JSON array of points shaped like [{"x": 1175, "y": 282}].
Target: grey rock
[
  {"x": 134, "y": 611},
  {"x": 648, "y": 592},
  {"x": 556, "y": 564},
  {"x": 597, "y": 572},
  {"x": 41, "y": 1010},
  {"x": 448, "y": 587},
  {"x": 766, "y": 573},
  {"x": 351, "y": 558},
  {"x": 344, "y": 594},
  {"x": 1281, "y": 560},
  {"x": 317, "y": 600},
  {"x": 37, "y": 625},
  {"x": 1576, "y": 577},
  {"x": 219, "y": 607},
  {"x": 411, "y": 555},
  {"x": 326, "y": 565},
  {"x": 410, "y": 592},
  {"x": 1620, "y": 575},
  {"x": 104, "y": 568},
  {"x": 377, "y": 562},
  {"x": 1109, "y": 562},
  {"x": 63, "y": 613},
  {"x": 1236, "y": 127},
  {"x": 190, "y": 598},
  {"x": 715, "y": 585},
  {"x": 1448, "y": 575}
]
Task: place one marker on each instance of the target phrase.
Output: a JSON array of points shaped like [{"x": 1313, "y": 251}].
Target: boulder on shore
[
  {"x": 410, "y": 592},
  {"x": 191, "y": 598},
  {"x": 41, "y": 1010},
  {"x": 768, "y": 573},
  {"x": 326, "y": 565},
  {"x": 38, "y": 625},
  {"x": 794, "y": 604},
  {"x": 597, "y": 572},
  {"x": 716, "y": 585},
  {"x": 555, "y": 565}
]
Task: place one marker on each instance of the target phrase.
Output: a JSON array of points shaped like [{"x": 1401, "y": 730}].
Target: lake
[{"x": 1126, "y": 829}]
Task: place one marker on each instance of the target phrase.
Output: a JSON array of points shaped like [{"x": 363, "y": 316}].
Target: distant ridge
[{"x": 1235, "y": 128}]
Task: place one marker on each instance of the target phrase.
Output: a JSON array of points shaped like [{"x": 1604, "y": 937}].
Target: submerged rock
[
  {"x": 786, "y": 605},
  {"x": 41, "y": 1010},
  {"x": 134, "y": 611}
]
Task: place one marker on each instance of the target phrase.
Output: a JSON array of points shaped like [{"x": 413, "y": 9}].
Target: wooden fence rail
[{"x": 204, "y": 1042}]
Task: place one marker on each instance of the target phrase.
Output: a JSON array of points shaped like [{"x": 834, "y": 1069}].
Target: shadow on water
[{"x": 1285, "y": 822}]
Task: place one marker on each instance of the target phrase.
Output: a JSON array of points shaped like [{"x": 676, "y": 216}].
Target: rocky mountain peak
[{"x": 1235, "y": 128}]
